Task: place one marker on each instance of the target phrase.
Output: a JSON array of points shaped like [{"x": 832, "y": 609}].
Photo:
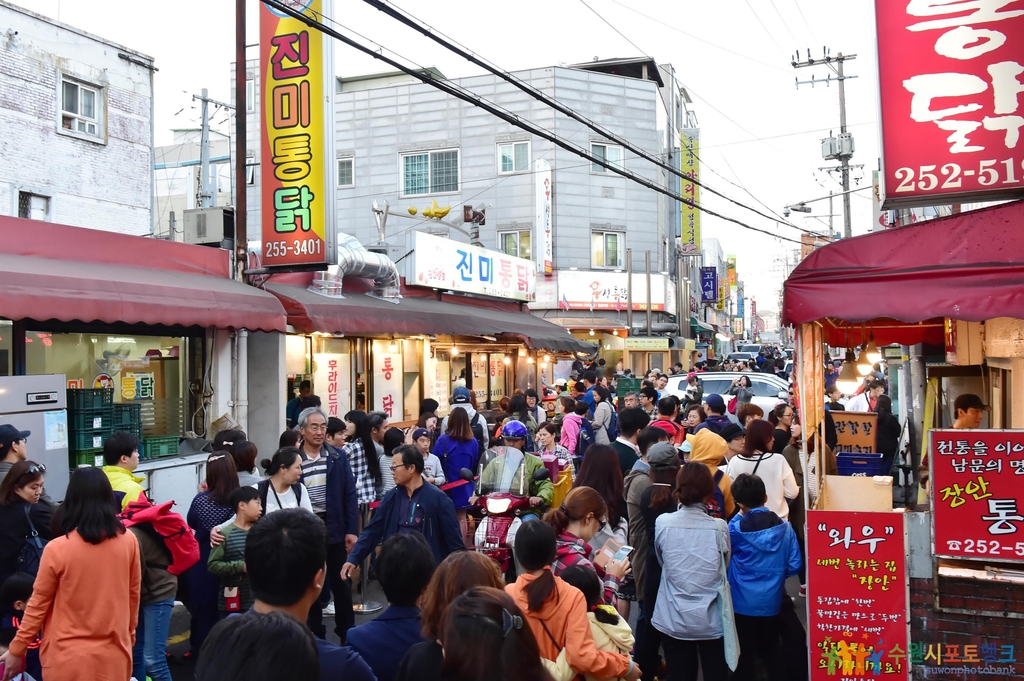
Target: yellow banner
[{"x": 689, "y": 161}]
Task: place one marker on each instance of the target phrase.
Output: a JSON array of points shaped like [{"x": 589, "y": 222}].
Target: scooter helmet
[{"x": 513, "y": 430}]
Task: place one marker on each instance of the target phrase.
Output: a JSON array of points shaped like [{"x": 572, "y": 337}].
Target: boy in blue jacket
[{"x": 764, "y": 553}]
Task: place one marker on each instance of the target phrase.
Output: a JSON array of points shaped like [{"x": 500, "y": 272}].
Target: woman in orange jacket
[{"x": 557, "y": 612}]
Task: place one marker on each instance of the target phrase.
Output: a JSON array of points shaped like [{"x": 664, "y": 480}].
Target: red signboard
[
  {"x": 949, "y": 80},
  {"x": 978, "y": 494},
  {"x": 857, "y": 596}
]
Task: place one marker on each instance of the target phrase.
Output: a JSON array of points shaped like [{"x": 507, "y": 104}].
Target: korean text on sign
[
  {"x": 978, "y": 493},
  {"x": 857, "y": 595}
]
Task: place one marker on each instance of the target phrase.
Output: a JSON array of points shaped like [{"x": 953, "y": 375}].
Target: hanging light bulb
[
  {"x": 393, "y": 346},
  {"x": 522, "y": 352},
  {"x": 529, "y": 360},
  {"x": 863, "y": 363},
  {"x": 507, "y": 360},
  {"x": 547, "y": 358},
  {"x": 848, "y": 379},
  {"x": 591, "y": 332},
  {"x": 615, "y": 332},
  {"x": 872, "y": 351},
  {"x": 454, "y": 351}
]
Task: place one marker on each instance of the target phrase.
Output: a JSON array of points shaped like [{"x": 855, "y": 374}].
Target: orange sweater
[
  {"x": 86, "y": 603},
  {"x": 565, "y": 614}
]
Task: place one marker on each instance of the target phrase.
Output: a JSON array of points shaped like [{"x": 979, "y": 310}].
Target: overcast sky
[{"x": 733, "y": 56}]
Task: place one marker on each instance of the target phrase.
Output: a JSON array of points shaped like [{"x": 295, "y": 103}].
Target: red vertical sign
[{"x": 857, "y": 595}]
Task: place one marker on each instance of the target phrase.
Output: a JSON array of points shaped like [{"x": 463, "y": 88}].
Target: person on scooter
[{"x": 518, "y": 463}]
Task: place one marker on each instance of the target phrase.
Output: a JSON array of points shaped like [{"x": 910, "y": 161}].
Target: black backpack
[{"x": 477, "y": 426}]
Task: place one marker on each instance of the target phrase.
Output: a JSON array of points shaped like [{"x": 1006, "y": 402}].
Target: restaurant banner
[
  {"x": 857, "y": 595},
  {"x": 977, "y": 495},
  {"x": 708, "y": 284},
  {"x": 545, "y": 239},
  {"x": 452, "y": 265},
  {"x": 689, "y": 162},
  {"x": 856, "y": 432},
  {"x": 388, "y": 383},
  {"x": 331, "y": 382}
]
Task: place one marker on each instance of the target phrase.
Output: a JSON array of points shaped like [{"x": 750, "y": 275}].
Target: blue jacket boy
[{"x": 764, "y": 553}]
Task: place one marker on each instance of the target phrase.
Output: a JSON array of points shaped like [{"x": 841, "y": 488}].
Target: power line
[
  {"x": 751, "y": 7},
  {"x": 612, "y": 26},
  {"x": 785, "y": 134},
  {"x": 804, "y": 19},
  {"x": 512, "y": 119},
  {"x": 783, "y": 20},
  {"x": 425, "y": 30}
]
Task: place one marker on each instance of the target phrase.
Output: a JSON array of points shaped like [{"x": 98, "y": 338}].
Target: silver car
[{"x": 768, "y": 389}]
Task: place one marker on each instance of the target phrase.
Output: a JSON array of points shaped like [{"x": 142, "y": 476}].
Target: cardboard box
[{"x": 842, "y": 493}]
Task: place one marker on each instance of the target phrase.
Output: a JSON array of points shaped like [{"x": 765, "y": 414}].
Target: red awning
[
  {"x": 362, "y": 315},
  {"x": 56, "y": 272},
  {"x": 968, "y": 266}
]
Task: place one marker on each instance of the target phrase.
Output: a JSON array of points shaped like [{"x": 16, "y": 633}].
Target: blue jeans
[{"x": 149, "y": 656}]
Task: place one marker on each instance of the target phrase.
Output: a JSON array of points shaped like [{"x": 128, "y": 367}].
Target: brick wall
[{"x": 955, "y": 632}]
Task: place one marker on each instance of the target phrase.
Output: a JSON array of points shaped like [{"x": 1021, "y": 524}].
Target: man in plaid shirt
[{"x": 366, "y": 464}]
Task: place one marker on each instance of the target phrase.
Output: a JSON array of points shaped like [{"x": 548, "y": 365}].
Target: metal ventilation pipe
[{"x": 354, "y": 260}]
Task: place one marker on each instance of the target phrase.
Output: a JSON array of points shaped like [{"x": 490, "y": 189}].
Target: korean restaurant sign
[
  {"x": 545, "y": 240},
  {"x": 388, "y": 381},
  {"x": 709, "y": 284},
  {"x": 606, "y": 290},
  {"x": 977, "y": 494},
  {"x": 949, "y": 79},
  {"x": 857, "y": 595},
  {"x": 689, "y": 162},
  {"x": 455, "y": 266},
  {"x": 331, "y": 382},
  {"x": 297, "y": 137}
]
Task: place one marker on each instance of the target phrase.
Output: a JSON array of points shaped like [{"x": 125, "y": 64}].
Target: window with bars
[
  {"x": 607, "y": 249},
  {"x": 346, "y": 172},
  {"x": 515, "y": 243},
  {"x": 81, "y": 108},
  {"x": 606, "y": 152},
  {"x": 33, "y": 206},
  {"x": 513, "y": 157},
  {"x": 430, "y": 172}
]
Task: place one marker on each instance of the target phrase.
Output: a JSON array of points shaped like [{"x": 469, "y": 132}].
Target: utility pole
[
  {"x": 840, "y": 149},
  {"x": 207, "y": 194}
]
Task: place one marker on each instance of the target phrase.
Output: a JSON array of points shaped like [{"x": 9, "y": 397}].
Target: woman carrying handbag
[{"x": 24, "y": 519}]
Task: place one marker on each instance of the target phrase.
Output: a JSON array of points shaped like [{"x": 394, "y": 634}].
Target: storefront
[{"x": 152, "y": 321}]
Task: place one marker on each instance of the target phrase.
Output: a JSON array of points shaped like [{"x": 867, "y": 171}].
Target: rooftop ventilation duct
[{"x": 355, "y": 260}]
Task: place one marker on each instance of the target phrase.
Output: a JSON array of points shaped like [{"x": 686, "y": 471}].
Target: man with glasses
[
  {"x": 412, "y": 506},
  {"x": 13, "y": 447},
  {"x": 332, "y": 494}
]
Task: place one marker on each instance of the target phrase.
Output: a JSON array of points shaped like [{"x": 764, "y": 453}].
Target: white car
[{"x": 768, "y": 389}]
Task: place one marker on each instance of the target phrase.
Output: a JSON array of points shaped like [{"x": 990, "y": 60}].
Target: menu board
[{"x": 857, "y": 595}]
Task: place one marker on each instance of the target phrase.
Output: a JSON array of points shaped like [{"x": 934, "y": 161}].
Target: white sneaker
[{"x": 329, "y": 610}]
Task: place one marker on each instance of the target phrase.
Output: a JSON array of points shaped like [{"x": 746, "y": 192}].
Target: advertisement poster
[
  {"x": 545, "y": 254},
  {"x": 498, "y": 377},
  {"x": 689, "y": 162},
  {"x": 977, "y": 495},
  {"x": 297, "y": 156},
  {"x": 55, "y": 425},
  {"x": 137, "y": 385},
  {"x": 856, "y": 432},
  {"x": 438, "y": 386},
  {"x": 388, "y": 381},
  {"x": 453, "y": 265},
  {"x": 331, "y": 382},
  {"x": 857, "y": 595},
  {"x": 708, "y": 284}
]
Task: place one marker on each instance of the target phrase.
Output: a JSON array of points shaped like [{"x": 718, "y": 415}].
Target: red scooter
[{"x": 502, "y": 496}]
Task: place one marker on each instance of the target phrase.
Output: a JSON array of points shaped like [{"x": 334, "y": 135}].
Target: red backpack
[{"x": 177, "y": 536}]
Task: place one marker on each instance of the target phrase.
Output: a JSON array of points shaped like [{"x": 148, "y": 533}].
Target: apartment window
[
  {"x": 250, "y": 170},
  {"x": 606, "y": 152},
  {"x": 514, "y": 157},
  {"x": 430, "y": 172},
  {"x": 33, "y": 206},
  {"x": 250, "y": 95},
  {"x": 346, "y": 172},
  {"x": 81, "y": 106},
  {"x": 515, "y": 243},
  {"x": 607, "y": 249}
]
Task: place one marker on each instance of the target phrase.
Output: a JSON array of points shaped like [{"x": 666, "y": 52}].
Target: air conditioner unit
[{"x": 210, "y": 227}]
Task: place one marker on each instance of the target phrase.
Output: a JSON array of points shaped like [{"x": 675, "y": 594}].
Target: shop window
[
  {"x": 141, "y": 369},
  {"x": 432, "y": 172},
  {"x": 6, "y": 348},
  {"x": 33, "y": 206},
  {"x": 610, "y": 153},
  {"x": 81, "y": 109},
  {"x": 607, "y": 249},
  {"x": 515, "y": 243},
  {"x": 513, "y": 157}
]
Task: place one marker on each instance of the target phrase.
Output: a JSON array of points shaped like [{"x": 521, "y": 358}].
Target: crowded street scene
[{"x": 373, "y": 340}]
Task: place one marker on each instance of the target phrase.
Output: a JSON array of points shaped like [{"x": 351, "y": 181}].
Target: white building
[
  {"x": 76, "y": 112},
  {"x": 179, "y": 179}
]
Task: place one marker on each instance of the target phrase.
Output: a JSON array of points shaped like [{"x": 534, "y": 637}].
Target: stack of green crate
[
  {"x": 90, "y": 419},
  {"x": 156, "y": 447},
  {"x": 128, "y": 417}
]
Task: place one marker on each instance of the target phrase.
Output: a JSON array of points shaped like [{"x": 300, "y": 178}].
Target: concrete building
[
  {"x": 76, "y": 112},
  {"x": 179, "y": 181}
]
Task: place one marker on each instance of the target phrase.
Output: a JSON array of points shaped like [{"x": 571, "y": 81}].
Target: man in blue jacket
[
  {"x": 412, "y": 506},
  {"x": 764, "y": 554}
]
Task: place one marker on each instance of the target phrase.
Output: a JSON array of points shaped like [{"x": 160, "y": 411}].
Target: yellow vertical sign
[
  {"x": 689, "y": 161},
  {"x": 723, "y": 295}
]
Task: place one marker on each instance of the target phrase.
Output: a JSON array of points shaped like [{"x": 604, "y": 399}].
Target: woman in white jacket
[
  {"x": 773, "y": 469},
  {"x": 602, "y": 414}
]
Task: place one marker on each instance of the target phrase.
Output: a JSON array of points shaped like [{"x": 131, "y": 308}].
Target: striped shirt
[
  {"x": 314, "y": 476},
  {"x": 227, "y": 563}
]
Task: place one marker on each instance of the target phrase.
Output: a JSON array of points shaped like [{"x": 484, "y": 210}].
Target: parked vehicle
[
  {"x": 768, "y": 389},
  {"x": 742, "y": 356}
]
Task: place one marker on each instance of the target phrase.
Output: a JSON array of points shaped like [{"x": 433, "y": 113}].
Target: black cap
[
  {"x": 8, "y": 434},
  {"x": 731, "y": 432},
  {"x": 967, "y": 401}
]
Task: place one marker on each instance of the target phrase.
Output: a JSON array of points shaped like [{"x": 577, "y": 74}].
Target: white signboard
[
  {"x": 455, "y": 266},
  {"x": 331, "y": 382},
  {"x": 497, "y": 377},
  {"x": 388, "y": 389},
  {"x": 545, "y": 250},
  {"x": 595, "y": 290},
  {"x": 439, "y": 385}
]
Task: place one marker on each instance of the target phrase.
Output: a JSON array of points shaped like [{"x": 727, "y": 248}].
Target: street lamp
[{"x": 848, "y": 379}]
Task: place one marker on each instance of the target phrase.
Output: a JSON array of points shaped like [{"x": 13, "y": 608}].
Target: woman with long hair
[
  {"x": 602, "y": 420},
  {"x": 557, "y": 612},
  {"x": 458, "y": 449},
  {"x": 601, "y": 471},
  {"x": 786, "y": 432},
  {"x": 363, "y": 454},
  {"x": 547, "y": 443},
  {"x": 889, "y": 432},
  {"x": 759, "y": 458},
  {"x": 458, "y": 573},
  {"x": 518, "y": 410},
  {"x": 209, "y": 509},
  {"x": 485, "y": 637},
  {"x": 395, "y": 437},
  {"x": 429, "y": 420},
  {"x": 576, "y": 521},
  {"x": 245, "y": 454},
  {"x": 743, "y": 389},
  {"x": 20, "y": 511},
  {"x": 691, "y": 547},
  {"x": 86, "y": 592}
]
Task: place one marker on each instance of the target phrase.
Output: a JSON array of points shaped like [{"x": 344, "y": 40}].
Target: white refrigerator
[{"x": 39, "y": 404}]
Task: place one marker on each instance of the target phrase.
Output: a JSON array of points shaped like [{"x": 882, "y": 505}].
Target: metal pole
[
  {"x": 845, "y": 161},
  {"x": 629, "y": 291},
  {"x": 241, "y": 111},
  {"x": 205, "y": 195},
  {"x": 647, "y": 264}
]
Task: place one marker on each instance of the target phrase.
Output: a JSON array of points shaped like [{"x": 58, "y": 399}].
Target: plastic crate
[
  {"x": 84, "y": 440},
  {"x": 88, "y": 420},
  {"x": 863, "y": 465},
  {"x": 155, "y": 447},
  {"x": 87, "y": 457},
  {"x": 90, "y": 398},
  {"x": 127, "y": 417}
]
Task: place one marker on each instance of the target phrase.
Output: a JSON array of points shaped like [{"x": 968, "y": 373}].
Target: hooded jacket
[
  {"x": 564, "y": 614},
  {"x": 764, "y": 553},
  {"x": 714, "y": 423},
  {"x": 127, "y": 487},
  {"x": 570, "y": 438},
  {"x": 708, "y": 448},
  {"x": 636, "y": 482},
  {"x": 615, "y": 638}
]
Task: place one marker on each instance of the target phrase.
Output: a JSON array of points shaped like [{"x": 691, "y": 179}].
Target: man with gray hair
[
  {"x": 631, "y": 401},
  {"x": 332, "y": 494}
]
